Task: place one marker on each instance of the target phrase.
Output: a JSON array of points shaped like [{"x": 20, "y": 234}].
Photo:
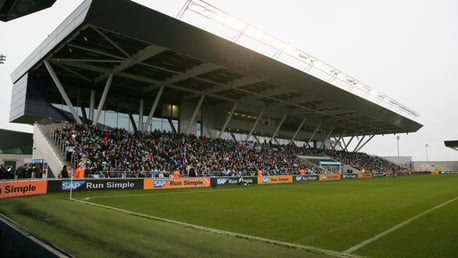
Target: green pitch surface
[{"x": 408, "y": 216}]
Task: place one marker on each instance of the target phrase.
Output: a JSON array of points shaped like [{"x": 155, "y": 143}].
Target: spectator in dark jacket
[
  {"x": 20, "y": 172},
  {"x": 64, "y": 172}
]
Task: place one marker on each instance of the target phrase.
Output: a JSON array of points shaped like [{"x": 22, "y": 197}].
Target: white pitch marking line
[
  {"x": 223, "y": 232},
  {"x": 376, "y": 237},
  {"x": 157, "y": 193}
]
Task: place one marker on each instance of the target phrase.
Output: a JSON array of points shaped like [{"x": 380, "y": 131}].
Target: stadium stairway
[
  {"x": 346, "y": 168},
  {"x": 45, "y": 148},
  {"x": 312, "y": 161}
]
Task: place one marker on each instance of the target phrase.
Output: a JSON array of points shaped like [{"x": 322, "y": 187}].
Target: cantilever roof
[
  {"x": 12, "y": 9},
  {"x": 146, "y": 49},
  {"x": 452, "y": 144}
]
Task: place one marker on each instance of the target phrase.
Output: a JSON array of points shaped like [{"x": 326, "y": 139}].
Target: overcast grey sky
[{"x": 406, "y": 49}]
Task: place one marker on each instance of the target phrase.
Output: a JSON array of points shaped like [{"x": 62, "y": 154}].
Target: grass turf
[{"x": 327, "y": 215}]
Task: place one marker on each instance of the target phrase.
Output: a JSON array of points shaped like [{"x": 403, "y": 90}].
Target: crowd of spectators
[
  {"x": 357, "y": 160},
  {"x": 364, "y": 162},
  {"x": 157, "y": 154},
  {"x": 27, "y": 170},
  {"x": 115, "y": 152}
]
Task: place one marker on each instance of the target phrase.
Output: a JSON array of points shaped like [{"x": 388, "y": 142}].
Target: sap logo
[
  {"x": 265, "y": 179},
  {"x": 69, "y": 185},
  {"x": 298, "y": 178},
  {"x": 160, "y": 183},
  {"x": 221, "y": 181}
]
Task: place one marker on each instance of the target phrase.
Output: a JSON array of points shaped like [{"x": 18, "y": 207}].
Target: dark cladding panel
[
  {"x": 29, "y": 101},
  {"x": 18, "y": 97}
]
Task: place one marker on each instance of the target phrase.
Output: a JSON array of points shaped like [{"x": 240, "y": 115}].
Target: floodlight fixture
[
  {"x": 289, "y": 50},
  {"x": 211, "y": 12}
]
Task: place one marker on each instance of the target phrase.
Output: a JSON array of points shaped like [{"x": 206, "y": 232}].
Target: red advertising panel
[
  {"x": 186, "y": 182},
  {"x": 22, "y": 188}
]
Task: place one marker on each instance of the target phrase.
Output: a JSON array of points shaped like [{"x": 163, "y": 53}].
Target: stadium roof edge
[
  {"x": 75, "y": 19},
  {"x": 452, "y": 144},
  {"x": 94, "y": 42}
]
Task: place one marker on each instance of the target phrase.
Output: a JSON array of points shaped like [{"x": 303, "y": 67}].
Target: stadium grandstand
[{"x": 139, "y": 78}]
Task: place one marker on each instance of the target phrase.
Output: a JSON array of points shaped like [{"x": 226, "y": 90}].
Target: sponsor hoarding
[
  {"x": 365, "y": 175},
  {"x": 349, "y": 176},
  {"x": 186, "y": 182},
  {"x": 298, "y": 178},
  {"x": 220, "y": 181},
  {"x": 275, "y": 179},
  {"x": 94, "y": 184},
  {"x": 330, "y": 177},
  {"x": 22, "y": 188}
]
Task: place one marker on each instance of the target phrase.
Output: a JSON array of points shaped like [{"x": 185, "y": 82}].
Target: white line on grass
[
  {"x": 223, "y": 232},
  {"x": 156, "y": 192},
  {"x": 376, "y": 237}
]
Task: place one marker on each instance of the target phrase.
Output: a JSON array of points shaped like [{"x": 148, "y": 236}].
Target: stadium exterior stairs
[{"x": 45, "y": 148}]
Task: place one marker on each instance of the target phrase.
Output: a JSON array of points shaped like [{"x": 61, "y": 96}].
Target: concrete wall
[
  {"x": 432, "y": 165},
  {"x": 405, "y": 161},
  {"x": 423, "y": 165}
]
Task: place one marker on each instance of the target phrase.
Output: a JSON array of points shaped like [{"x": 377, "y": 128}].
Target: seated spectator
[{"x": 117, "y": 152}]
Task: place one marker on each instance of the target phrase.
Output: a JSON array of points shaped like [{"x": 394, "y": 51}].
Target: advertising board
[
  {"x": 329, "y": 177},
  {"x": 275, "y": 179},
  {"x": 94, "y": 184},
  {"x": 22, "y": 188},
  {"x": 186, "y": 182}
]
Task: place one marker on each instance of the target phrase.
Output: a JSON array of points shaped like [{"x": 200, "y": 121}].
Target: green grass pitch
[{"x": 408, "y": 216}]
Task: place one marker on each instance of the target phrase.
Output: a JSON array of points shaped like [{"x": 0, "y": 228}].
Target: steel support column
[
  {"x": 194, "y": 115},
  {"x": 368, "y": 140},
  {"x": 140, "y": 114},
  {"x": 62, "y": 92},
  {"x": 338, "y": 140},
  {"x": 297, "y": 130},
  {"x": 359, "y": 143},
  {"x": 255, "y": 124},
  {"x": 233, "y": 137},
  {"x": 327, "y": 136},
  {"x": 348, "y": 143},
  {"x": 103, "y": 99},
  {"x": 226, "y": 123},
  {"x": 91, "y": 105},
  {"x": 278, "y": 127},
  {"x": 313, "y": 134},
  {"x": 153, "y": 109}
]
